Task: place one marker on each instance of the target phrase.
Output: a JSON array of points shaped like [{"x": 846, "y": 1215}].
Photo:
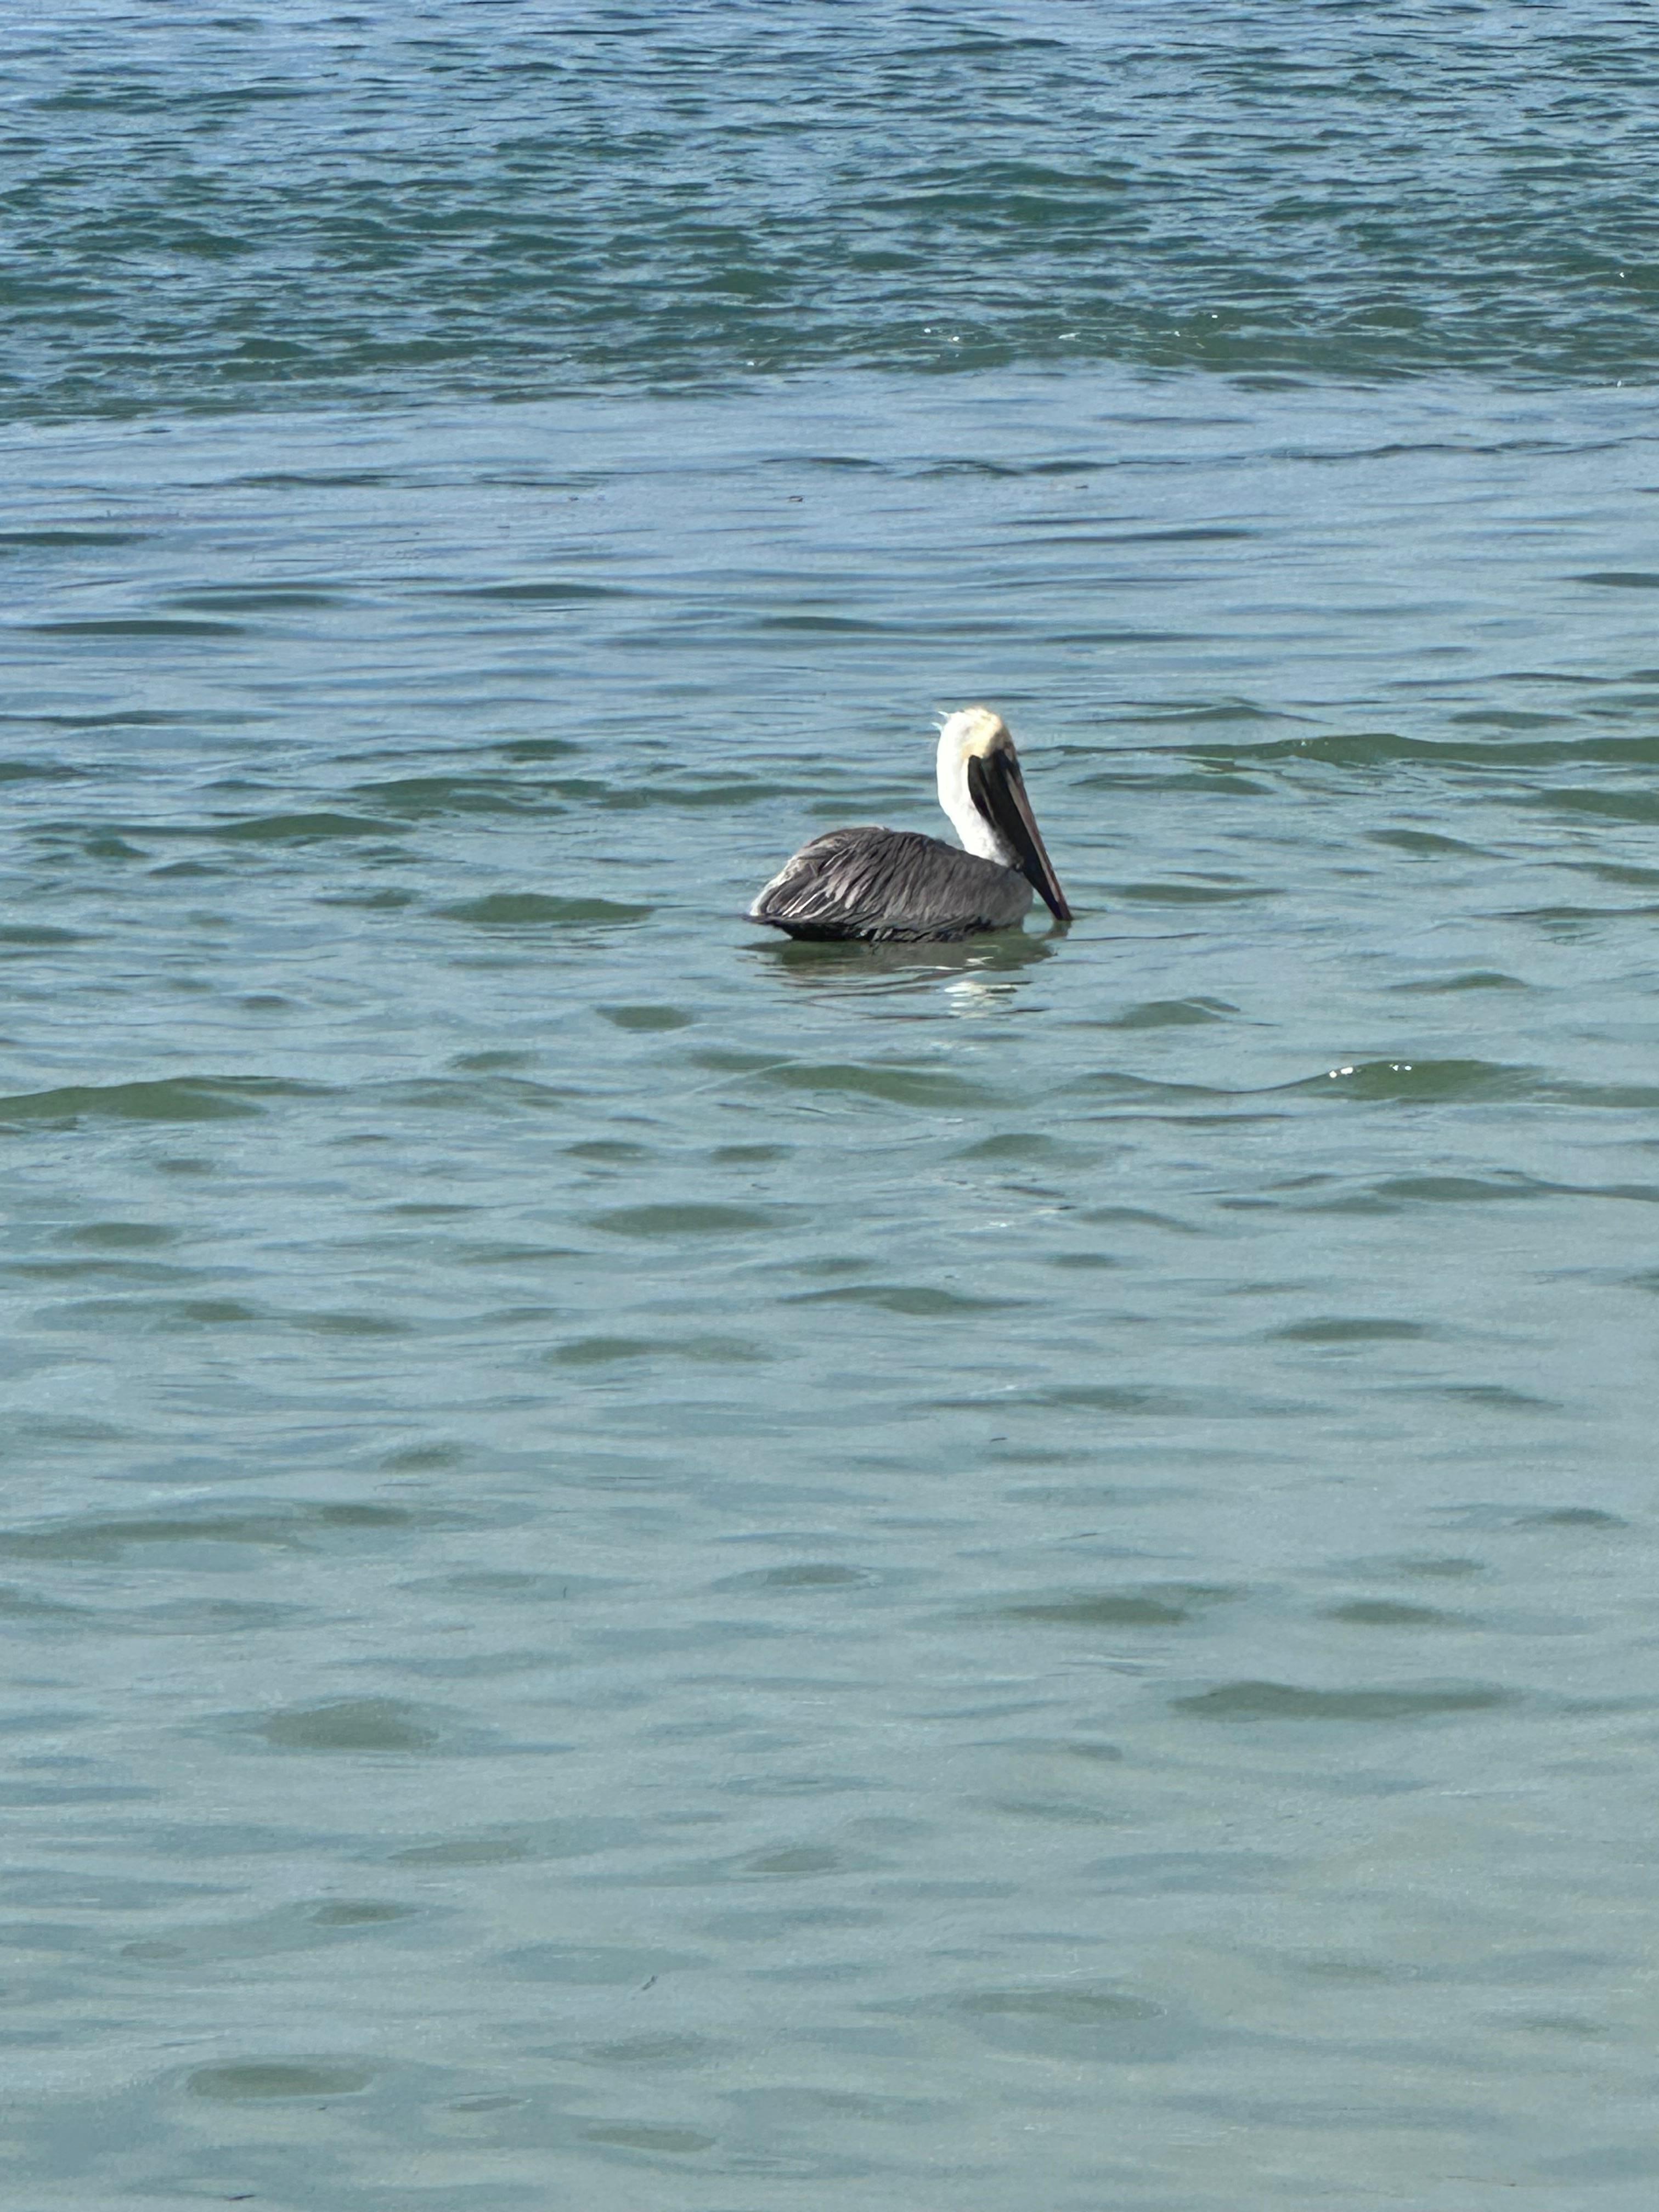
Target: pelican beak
[{"x": 998, "y": 789}]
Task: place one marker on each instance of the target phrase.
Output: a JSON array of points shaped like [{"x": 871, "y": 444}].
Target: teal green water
[
  {"x": 643, "y": 1568},
  {"x": 211, "y": 206}
]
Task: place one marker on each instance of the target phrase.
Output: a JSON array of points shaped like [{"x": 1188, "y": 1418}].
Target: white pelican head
[{"x": 982, "y": 791}]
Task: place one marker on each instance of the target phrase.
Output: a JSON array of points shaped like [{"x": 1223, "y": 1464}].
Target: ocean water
[{"x": 644, "y": 1568}]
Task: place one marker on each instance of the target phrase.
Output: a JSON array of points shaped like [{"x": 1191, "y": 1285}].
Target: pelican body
[{"x": 888, "y": 886}]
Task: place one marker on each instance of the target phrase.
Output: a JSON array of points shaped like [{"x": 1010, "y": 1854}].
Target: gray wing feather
[{"x": 887, "y": 886}]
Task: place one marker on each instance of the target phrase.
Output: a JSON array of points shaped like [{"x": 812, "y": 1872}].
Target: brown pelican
[{"x": 885, "y": 885}]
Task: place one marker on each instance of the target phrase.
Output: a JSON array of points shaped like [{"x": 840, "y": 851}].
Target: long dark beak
[{"x": 998, "y": 789}]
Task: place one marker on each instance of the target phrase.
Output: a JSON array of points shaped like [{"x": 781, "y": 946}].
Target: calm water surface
[{"x": 643, "y": 1568}]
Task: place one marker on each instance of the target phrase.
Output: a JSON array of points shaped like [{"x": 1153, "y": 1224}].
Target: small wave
[
  {"x": 477, "y": 1093},
  {"x": 899, "y": 1086},
  {"x": 98, "y": 1537},
  {"x": 1137, "y": 1399},
  {"x": 1175, "y": 894},
  {"x": 306, "y": 828},
  {"x": 729, "y": 791},
  {"x": 1334, "y": 1328},
  {"x": 1422, "y": 1082},
  {"x": 923, "y": 1300},
  {"x": 173, "y": 1098},
  {"x": 1632, "y": 804},
  {"x": 683, "y": 1220},
  {"x": 122, "y": 626},
  {"x": 1392, "y": 1613},
  {"x": 649, "y": 1018},
  {"x": 1075, "y": 2021},
  {"x": 802, "y": 1575},
  {"x": 1462, "y": 1190},
  {"x": 547, "y": 590},
  {"x": 1141, "y": 1089},
  {"x": 1163, "y": 1605},
  {"x": 277, "y": 2081},
  {"x": 257, "y": 598},
  {"x": 1470, "y": 979},
  {"x": 1171, "y": 1013},
  {"x": 537, "y": 910},
  {"x": 67, "y": 541},
  {"x": 29, "y": 771},
  {"x": 37, "y": 937},
  {"x": 1589, "y": 746},
  {"x": 1290, "y": 1701},
  {"x": 698, "y": 1351},
  {"x": 534, "y": 749},
  {"x": 1424, "y": 844},
  {"x": 1492, "y": 1397},
  {"x": 423, "y": 797},
  {"x": 831, "y": 625},
  {"x": 351, "y": 1724}
]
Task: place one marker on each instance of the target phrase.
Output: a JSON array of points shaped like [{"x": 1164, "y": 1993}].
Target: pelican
[{"x": 892, "y": 884}]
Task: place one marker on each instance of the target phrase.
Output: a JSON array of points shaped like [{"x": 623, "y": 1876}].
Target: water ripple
[{"x": 1128, "y": 198}]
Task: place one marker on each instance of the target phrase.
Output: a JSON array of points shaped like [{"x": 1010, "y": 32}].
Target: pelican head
[{"x": 982, "y": 791}]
